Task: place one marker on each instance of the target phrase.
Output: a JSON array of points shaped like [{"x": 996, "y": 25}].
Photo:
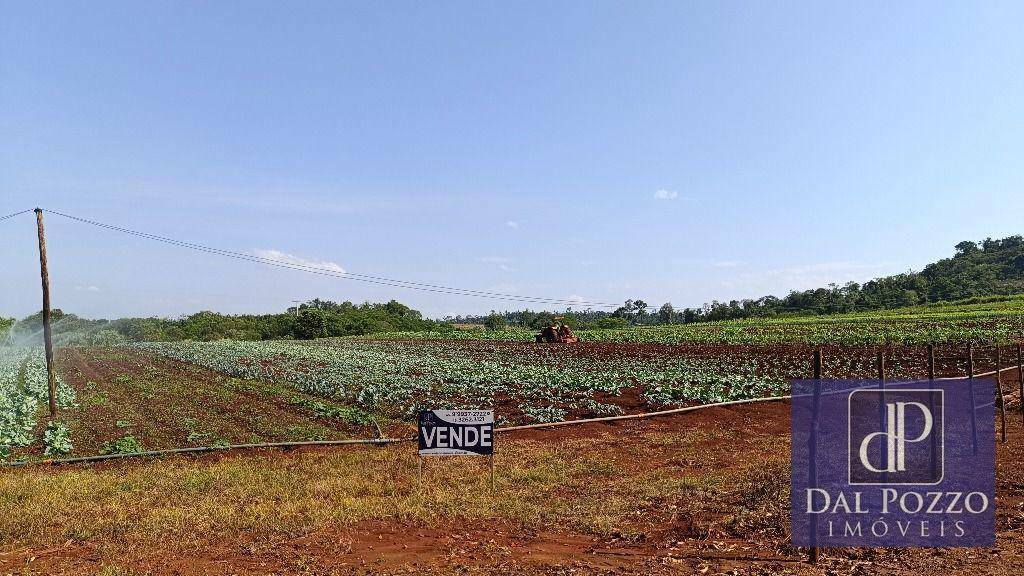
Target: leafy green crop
[
  {"x": 126, "y": 444},
  {"x": 534, "y": 384},
  {"x": 57, "y": 439},
  {"x": 23, "y": 391},
  {"x": 983, "y": 323}
]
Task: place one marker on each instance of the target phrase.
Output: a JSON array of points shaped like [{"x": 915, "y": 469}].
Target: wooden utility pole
[{"x": 44, "y": 273}]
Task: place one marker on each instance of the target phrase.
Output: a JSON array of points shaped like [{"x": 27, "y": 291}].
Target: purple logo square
[{"x": 893, "y": 464}]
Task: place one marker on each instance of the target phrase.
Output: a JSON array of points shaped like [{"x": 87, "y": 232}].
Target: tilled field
[
  {"x": 188, "y": 394},
  {"x": 127, "y": 400},
  {"x": 788, "y": 361}
]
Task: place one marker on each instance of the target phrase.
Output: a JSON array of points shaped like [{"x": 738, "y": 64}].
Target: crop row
[
  {"x": 1000, "y": 326},
  {"x": 397, "y": 378},
  {"x": 23, "y": 394}
]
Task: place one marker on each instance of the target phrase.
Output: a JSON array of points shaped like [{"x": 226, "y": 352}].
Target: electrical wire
[
  {"x": 16, "y": 214},
  {"x": 344, "y": 275}
]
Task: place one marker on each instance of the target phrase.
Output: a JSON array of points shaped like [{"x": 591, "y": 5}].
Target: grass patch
[{"x": 267, "y": 496}]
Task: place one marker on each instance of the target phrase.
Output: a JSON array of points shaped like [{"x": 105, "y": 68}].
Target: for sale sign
[
  {"x": 893, "y": 464},
  {"x": 456, "y": 432}
]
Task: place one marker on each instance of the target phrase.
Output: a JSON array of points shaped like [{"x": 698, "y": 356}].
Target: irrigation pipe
[
  {"x": 201, "y": 449},
  {"x": 367, "y": 441},
  {"x": 698, "y": 407},
  {"x": 387, "y": 441}
]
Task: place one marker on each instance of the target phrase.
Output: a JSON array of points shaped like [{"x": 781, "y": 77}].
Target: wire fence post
[
  {"x": 44, "y": 274},
  {"x": 970, "y": 360},
  {"x": 999, "y": 395},
  {"x": 816, "y": 365},
  {"x": 815, "y": 552},
  {"x": 880, "y": 366},
  {"x": 931, "y": 406},
  {"x": 931, "y": 362},
  {"x": 970, "y": 388},
  {"x": 1020, "y": 379}
]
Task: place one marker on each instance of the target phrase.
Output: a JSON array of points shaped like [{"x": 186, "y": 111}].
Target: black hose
[{"x": 202, "y": 449}]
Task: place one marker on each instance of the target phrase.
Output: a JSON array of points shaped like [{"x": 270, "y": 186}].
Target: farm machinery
[{"x": 558, "y": 333}]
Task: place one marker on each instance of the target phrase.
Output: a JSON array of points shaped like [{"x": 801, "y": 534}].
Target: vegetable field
[
  {"x": 192, "y": 394},
  {"x": 23, "y": 396},
  {"x": 527, "y": 383},
  {"x": 983, "y": 323}
]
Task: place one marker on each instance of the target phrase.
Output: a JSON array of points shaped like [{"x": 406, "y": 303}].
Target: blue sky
[{"x": 676, "y": 151}]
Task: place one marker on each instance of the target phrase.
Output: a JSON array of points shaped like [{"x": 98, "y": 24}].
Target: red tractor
[{"x": 558, "y": 333}]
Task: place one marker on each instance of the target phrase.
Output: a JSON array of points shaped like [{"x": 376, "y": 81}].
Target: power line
[
  {"x": 16, "y": 214},
  {"x": 344, "y": 275}
]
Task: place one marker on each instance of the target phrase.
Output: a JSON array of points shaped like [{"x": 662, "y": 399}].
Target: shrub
[{"x": 495, "y": 322}]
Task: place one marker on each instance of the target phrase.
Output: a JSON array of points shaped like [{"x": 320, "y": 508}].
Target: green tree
[
  {"x": 311, "y": 323},
  {"x": 542, "y": 319},
  {"x": 494, "y": 321},
  {"x": 609, "y": 322},
  {"x": 641, "y": 309},
  {"x": 667, "y": 314}
]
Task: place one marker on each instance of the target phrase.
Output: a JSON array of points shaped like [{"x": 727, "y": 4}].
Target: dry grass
[
  {"x": 764, "y": 501},
  {"x": 266, "y": 496}
]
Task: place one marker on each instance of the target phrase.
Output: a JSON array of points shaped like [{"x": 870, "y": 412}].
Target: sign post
[{"x": 456, "y": 433}]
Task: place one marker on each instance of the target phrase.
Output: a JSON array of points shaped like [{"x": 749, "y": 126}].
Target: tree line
[
  {"x": 986, "y": 268},
  {"x": 313, "y": 319}
]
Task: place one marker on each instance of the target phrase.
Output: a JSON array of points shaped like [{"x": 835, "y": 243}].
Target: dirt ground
[{"x": 736, "y": 525}]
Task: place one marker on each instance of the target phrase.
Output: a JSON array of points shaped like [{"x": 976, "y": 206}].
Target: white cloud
[
  {"x": 576, "y": 299},
  {"x": 285, "y": 258},
  {"x": 501, "y": 262},
  {"x": 664, "y": 194},
  {"x": 89, "y": 288},
  {"x": 512, "y": 224},
  {"x": 727, "y": 263},
  {"x": 779, "y": 281}
]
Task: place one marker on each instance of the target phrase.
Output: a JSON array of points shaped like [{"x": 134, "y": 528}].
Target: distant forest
[
  {"x": 314, "y": 319},
  {"x": 986, "y": 268}
]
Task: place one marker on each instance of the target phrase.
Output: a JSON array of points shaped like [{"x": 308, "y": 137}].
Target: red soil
[{"x": 670, "y": 544}]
